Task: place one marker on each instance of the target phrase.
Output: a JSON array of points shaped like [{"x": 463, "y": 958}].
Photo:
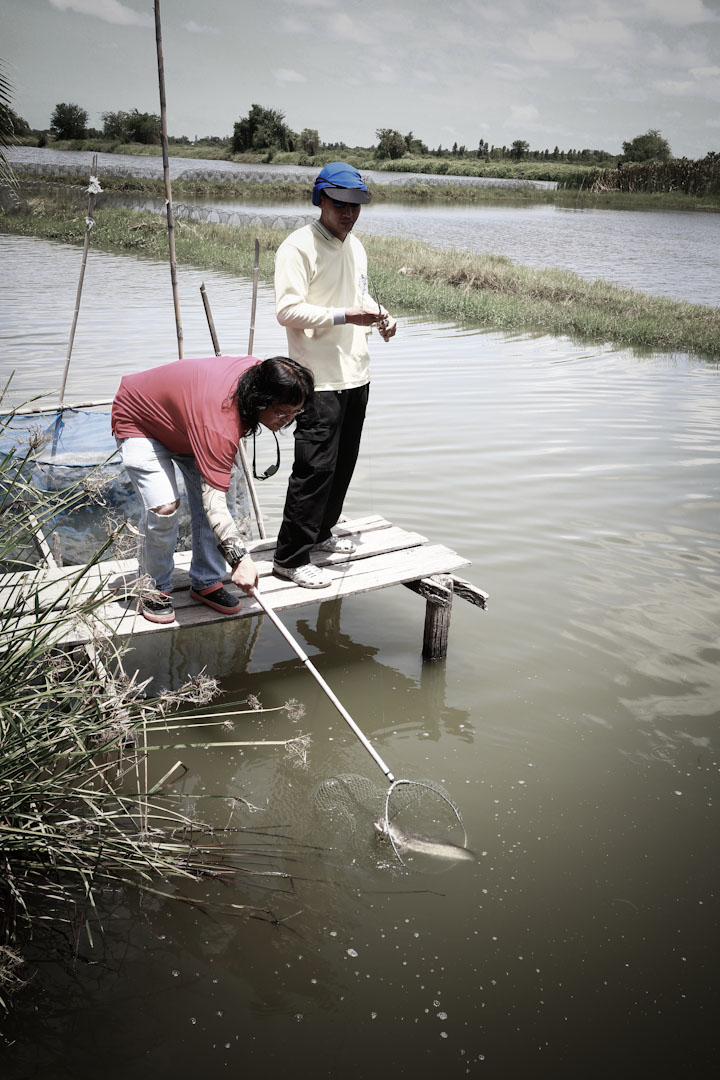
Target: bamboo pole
[
  {"x": 210, "y": 320},
  {"x": 166, "y": 175},
  {"x": 241, "y": 449},
  {"x": 93, "y": 190},
  {"x": 253, "y": 306},
  {"x": 53, "y": 408}
]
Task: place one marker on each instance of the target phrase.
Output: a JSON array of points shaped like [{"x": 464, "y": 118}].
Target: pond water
[
  {"x": 194, "y": 168},
  {"x": 575, "y": 723},
  {"x": 669, "y": 253}
]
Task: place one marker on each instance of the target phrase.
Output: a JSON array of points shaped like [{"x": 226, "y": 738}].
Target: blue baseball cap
[{"x": 341, "y": 182}]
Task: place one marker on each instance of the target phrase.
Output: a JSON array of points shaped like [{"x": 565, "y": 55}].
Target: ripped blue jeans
[{"x": 151, "y": 468}]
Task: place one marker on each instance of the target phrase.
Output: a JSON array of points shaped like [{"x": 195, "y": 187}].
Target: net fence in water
[{"x": 75, "y": 449}]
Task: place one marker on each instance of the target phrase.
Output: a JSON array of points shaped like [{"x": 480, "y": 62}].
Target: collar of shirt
[{"x": 317, "y": 224}]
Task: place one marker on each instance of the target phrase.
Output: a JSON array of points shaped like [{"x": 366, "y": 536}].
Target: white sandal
[
  {"x": 343, "y": 545},
  {"x": 307, "y": 576}
]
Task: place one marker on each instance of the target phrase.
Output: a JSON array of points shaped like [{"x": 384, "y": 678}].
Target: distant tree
[
  {"x": 19, "y": 126},
  {"x": 262, "y": 129},
  {"x": 115, "y": 125},
  {"x": 309, "y": 140},
  {"x": 132, "y": 126},
  {"x": 414, "y": 146},
  {"x": 68, "y": 121},
  {"x": 391, "y": 143},
  {"x": 648, "y": 147},
  {"x": 143, "y": 128},
  {"x": 519, "y": 149}
]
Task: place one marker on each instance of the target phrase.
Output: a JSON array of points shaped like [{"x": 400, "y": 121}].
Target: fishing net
[
  {"x": 353, "y": 799},
  {"x": 419, "y": 808}
]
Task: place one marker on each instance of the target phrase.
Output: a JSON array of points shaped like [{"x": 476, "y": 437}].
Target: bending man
[
  {"x": 193, "y": 413},
  {"x": 322, "y": 299}
]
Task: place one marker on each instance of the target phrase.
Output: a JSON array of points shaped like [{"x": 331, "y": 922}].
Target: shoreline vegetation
[
  {"x": 674, "y": 185},
  {"x": 86, "y": 808},
  {"x": 418, "y": 192},
  {"x": 487, "y": 291}
]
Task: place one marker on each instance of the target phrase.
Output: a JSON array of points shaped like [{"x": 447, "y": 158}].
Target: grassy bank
[
  {"x": 414, "y": 278},
  {"x": 468, "y": 165},
  {"x": 418, "y": 192}
]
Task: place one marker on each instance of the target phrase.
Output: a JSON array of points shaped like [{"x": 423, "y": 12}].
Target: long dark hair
[{"x": 278, "y": 379}]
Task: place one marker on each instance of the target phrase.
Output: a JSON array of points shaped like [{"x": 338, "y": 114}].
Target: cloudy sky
[{"x": 576, "y": 73}]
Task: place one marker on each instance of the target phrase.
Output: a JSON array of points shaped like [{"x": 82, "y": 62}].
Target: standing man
[{"x": 322, "y": 299}]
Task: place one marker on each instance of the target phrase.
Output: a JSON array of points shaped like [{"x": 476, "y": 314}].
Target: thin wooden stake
[
  {"x": 253, "y": 307},
  {"x": 241, "y": 449},
  {"x": 166, "y": 174},
  {"x": 210, "y": 320},
  {"x": 93, "y": 189}
]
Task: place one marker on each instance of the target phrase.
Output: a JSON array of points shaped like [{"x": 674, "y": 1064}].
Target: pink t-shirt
[{"x": 187, "y": 406}]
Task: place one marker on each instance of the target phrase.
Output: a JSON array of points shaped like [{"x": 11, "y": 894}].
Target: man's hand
[
  {"x": 387, "y": 328},
  {"x": 245, "y": 575},
  {"x": 364, "y": 316}
]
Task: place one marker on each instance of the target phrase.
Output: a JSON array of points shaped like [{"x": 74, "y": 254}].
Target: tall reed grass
[{"x": 81, "y": 807}]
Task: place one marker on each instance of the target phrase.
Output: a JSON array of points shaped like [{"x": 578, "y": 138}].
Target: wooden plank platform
[{"x": 385, "y": 555}]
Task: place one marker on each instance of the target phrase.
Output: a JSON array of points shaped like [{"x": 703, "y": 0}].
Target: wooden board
[{"x": 385, "y": 555}]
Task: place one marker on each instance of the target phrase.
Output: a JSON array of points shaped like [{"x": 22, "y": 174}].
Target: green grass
[
  {"x": 414, "y": 278},
  {"x": 419, "y": 192},
  {"x": 361, "y": 159}
]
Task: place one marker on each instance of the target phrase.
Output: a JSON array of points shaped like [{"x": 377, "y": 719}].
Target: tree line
[{"x": 266, "y": 131}]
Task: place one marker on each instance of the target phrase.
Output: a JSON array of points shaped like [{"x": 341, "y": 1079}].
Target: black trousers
[{"x": 327, "y": 442}]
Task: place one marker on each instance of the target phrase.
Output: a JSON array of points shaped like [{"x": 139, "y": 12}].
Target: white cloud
[
  {"x": 669, "y": 12},
  {"x": 525, "y": 116},
  {"x": 287, "y": 75},
  {"x": 675, "y": 87},
  {"x": 345, "y": 28},
  {"x": 196, "y": 28},
  {"x": 111, "y": 11},
  {"x": 702, "y": 82},
  {"x": 546, "y": 46},
  {"x": 516, "y": 73},
  {"x": 595, "y": 33},
  {"x": 678, "y": 12},
  {"x": 292, "y": 26}
]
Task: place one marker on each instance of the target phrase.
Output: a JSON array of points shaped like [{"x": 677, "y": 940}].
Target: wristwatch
[{"x": 232, "y": 552}]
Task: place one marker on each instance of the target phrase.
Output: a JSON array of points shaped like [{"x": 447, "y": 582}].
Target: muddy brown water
[{"x": 575, "y": 723}]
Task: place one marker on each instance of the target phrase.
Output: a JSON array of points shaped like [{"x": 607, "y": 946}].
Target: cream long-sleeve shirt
[{"x": 315, "y": 275}]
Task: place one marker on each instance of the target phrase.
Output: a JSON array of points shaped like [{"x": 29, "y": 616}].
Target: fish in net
[
  {"x": 412, "y": 816},
  {"x": 351, "y": 797}
]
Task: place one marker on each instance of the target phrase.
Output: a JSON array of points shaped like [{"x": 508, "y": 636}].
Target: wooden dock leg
[{"x": 437, "y": 622}]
